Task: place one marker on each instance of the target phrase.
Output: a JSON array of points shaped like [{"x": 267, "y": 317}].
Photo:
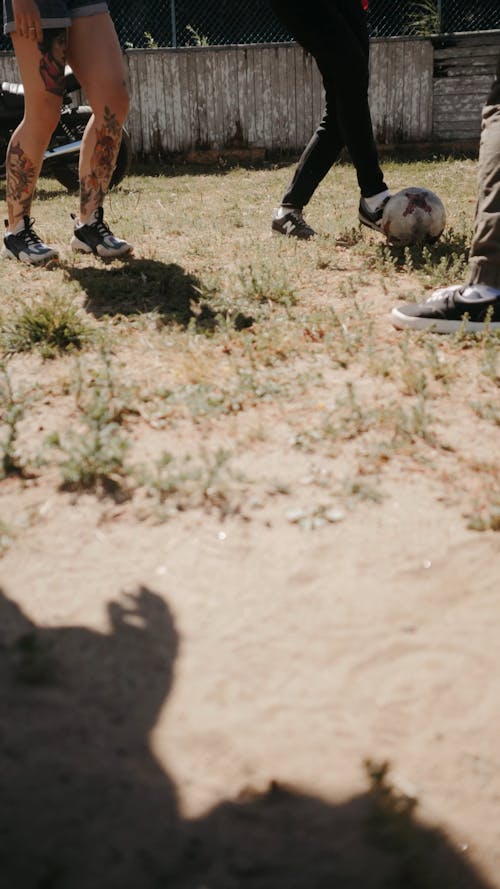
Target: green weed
[
  {"x": 52, "y": 326},
  {"x": 12, "y": 411}
]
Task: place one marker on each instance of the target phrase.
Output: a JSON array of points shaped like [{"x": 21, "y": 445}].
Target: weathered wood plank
[
  {"x": 246, "y": 99},
  {"x": 134, "y": 122},
  {"x": 401, "y": 90},
  {"x": 260, "y": 138}
]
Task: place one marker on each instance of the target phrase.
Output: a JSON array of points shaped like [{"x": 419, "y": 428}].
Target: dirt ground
[
  {"x": 198, "y": 663},
  {"x": 207, "y": 701}
]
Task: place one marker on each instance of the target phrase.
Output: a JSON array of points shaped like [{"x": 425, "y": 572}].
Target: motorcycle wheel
[{"x": 66, "y": 171}]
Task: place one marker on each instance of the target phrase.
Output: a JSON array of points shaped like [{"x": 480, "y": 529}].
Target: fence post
[
  {"x": 439, "y": 15},
  {"x": 173, "y": 23}
]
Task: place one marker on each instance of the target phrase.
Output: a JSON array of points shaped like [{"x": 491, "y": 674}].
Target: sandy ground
[
  {"x": 199, "y": 668},
  {"x": 190, "y": 704}
]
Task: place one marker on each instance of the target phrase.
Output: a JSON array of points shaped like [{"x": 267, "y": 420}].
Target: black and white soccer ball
[{"x": 413, "y": 216}]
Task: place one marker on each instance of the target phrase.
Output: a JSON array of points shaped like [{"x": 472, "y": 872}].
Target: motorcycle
[{"x": 61, "y": 158}]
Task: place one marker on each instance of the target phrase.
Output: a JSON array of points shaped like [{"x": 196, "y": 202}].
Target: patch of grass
[
  {"x": 433, "y": 263},
  {"x": 94, "y": 454},
  {"x": 6, "y": 537},
  {"x": 52, "y": 326},
  {"x": 185, "y": 482},
  {"x": 265, "y": 285},
  {"x": 94, "y": 460},
  {"x": 12, "y": 411}
]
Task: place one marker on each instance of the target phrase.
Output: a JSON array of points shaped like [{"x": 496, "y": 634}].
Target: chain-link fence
[
  {"x": 211, "y": 22},
  {"x": 199, "y": 22}
]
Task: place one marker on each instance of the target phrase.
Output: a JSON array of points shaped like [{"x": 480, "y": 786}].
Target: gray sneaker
[
  {"x": 450, "y": 309},
  {"x": 369, "y": 218},
  {"x": 292, "y": 224},
  {"x": 26, "y": 246},
  {"x": 96, "y": 237}
]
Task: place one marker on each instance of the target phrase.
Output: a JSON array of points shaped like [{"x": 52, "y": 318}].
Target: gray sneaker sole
[{"x": 441, "y": 325}]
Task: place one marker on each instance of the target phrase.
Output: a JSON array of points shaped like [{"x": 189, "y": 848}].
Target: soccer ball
[{"x": 413, "y": 215}]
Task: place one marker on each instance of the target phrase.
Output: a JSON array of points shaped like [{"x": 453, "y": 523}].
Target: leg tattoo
[
  {"x": 54, "y": 50},
  {"x": 21, "y": 181},
  {"x": 93, "y": 186}
]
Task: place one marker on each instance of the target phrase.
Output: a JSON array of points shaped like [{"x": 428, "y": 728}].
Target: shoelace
[
  {"x": 28, "y": 235},
  {"x": 101, "y": 227},
  {"x": 445, "y": 293},
  {"x": 298, "y": 218}
]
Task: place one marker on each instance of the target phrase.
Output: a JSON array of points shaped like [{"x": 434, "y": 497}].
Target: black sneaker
[
  {"x": 450, "y": 309},
  {"x": 293, "y": 225},
  {"x": 96, "y": 237},
  {"x": 369, "y": 218},
  {"x": 26, "y": 245}
]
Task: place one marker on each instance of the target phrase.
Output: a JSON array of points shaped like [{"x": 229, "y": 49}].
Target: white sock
[
  {"x": 376, "y": 200},
  {"x": 282, "y": 211},
  {"x": 484, "y": 290},
  {"x": 18, "y": 228}
]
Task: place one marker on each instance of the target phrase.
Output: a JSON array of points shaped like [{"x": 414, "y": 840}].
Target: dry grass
[{"x": 222, "y": 367}]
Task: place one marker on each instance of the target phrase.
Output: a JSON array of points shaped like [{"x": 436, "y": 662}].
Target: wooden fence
[{"x": 269, "y": 96}]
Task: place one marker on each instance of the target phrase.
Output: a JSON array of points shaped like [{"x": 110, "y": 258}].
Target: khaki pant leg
[{"x": 484, "y": 265}]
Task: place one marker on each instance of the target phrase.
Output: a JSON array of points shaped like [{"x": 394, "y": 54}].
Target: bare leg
[
  {"x": 42, "y": 71},
  {"x": 95, "y": 56}
]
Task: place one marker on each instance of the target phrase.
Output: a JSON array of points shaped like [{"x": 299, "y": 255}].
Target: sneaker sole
[
  {"x": 277, "y": 231},
  {"x": 80, "y": 247},
  {"x": 372, "y": 225},
  {"x": 25, "y": 258},
  {"x": 407, "y": 322}
]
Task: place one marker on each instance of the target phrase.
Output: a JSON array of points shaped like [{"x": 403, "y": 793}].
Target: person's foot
[
  {"x": 372, "y": 217},
  {"x": 473, "y": 308},
  {"x": 24, "y": 244},
  {"x": 290, "y": 222},
  {"x": 96, "y": 237}
]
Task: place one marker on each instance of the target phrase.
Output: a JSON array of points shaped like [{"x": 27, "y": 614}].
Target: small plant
[
  {"x": 196, "y": 38},
  {"x": 349, "y": 237},
  {"x": 94, "y": 457},
  {"x": 6, "y": 537},
  {"x": 12, "y": 409},
  {"x": 412, "y": 372},
  {"x": 490, "y": 365},
  {"x": 265, "y": 285},
  {"x": 150, "y": 41},
  {"x": 189, "y": 483},
  {"x": 424, "y": 19},
  {"x": 349, "y": 419},
  {"x": 53, "y": 326}
]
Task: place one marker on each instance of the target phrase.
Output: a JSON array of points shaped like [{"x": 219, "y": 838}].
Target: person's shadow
[
  {"x": 142, "y": 286},
  {"x": 84, "y": 804}
]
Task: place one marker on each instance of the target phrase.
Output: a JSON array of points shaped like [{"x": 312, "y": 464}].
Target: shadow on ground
[
  {"x": 85, "y": 805},
  {"x": 142, "y": 286}
]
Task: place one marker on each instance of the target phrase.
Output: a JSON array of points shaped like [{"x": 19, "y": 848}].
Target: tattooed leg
[
  {"x": 96, "y": 170},
  {"x": 42, "y": 72},
  {"x": 53, "y": 48},
  {"x": 22, "y": 175}
]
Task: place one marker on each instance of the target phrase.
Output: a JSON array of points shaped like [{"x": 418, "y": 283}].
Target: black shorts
[{"x": 55, "y": 13}]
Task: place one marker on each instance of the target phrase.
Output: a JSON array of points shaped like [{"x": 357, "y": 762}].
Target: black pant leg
[{"x": 335, "y": 33}]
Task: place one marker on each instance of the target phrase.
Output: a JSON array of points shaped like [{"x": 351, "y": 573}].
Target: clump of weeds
[
  {"x": 94, "y": 453},
  {"x": 265, "y": 285},
  {"x": 185, "y": 482},
  {"x": 52, "y": 326},
  {"x": 12, "y": 411}
]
